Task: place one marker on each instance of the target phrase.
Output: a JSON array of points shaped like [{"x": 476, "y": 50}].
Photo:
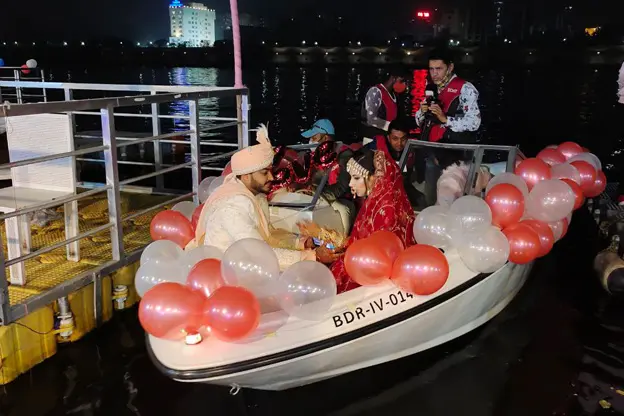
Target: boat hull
[{"x": 457, "y": 312}]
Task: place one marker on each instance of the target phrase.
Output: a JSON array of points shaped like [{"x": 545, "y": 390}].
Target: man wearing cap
[
  {"x": 234, "y": 211},
  {"x": 337, "y": 190}
]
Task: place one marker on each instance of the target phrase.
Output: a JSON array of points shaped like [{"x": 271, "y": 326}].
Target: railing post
[
  {"x": 5, "y": 305},
  {"x": 112, "y": 180},
  {"x": 18, "y": 90},
  {"x": 242, "y": 113},
  {"x": 45, "y": 93},
  {"x": 71, "y": 208},
  {"x": 195, "y": 148},
  {"x": 156, "y": 131}
]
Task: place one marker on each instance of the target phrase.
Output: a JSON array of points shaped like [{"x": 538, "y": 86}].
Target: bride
[{"x": 385, "y": 205}]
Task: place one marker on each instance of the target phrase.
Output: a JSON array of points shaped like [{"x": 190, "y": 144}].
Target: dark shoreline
[{"x": 221, "y": 57}]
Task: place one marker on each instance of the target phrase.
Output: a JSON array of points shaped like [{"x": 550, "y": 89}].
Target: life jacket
[
  {"x": 449, "y": 101},
  {"x": 382, "y": 145},
  {"x": 388, "y": 110}
]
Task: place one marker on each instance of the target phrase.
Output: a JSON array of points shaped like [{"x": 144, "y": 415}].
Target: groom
[{"x": 234, "y": 212}]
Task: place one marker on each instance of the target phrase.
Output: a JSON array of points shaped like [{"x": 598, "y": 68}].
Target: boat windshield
[{"x": 467, "y": 168}]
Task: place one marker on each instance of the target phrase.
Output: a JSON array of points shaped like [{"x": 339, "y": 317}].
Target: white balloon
[
  {"x": 510, "y": 178},
  {"x": 186, "y": 208},
  {"x": 203, "y": 190},
  {"x": 468, "y": 214},
  {"x": 190, "y": 258},
  {"x": 31, "y": 63},
  {"x": 431, "y": 227},
  {"x": 484, "y": 252},
  {"x": 160, "y": 252},
  {"x": 309, "y": 290},
  {"x": 550, "y": 200},
  {"x": 215, "y": 184},
  {"x": 150, "y": 274},
  {"x": 252, "y": 264},
  {"x": 590, "y": 158},
  {"x": 565, "y": 171}
]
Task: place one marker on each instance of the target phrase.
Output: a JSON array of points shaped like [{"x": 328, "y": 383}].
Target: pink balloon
[
  {"x": 551, "y": 156},
  {"x": 206, "y": 277},
  {"x": 507, "y": 204},
  {"x": 569, "y": 149},
  {"x": 588, "y": 175},
  {"x": 196, "y": 215},
  {"x": 550, "y": 200},
  {"x": 533, "y": 171},
  {"x": 600, "y": 184},
  {"x": 227, "y": 170},
  {"x": 171, "y": 311},
  {"x": 232, "y": 313},
  {"x": 421, "y": 269},
  {"x": 566, "y": 171},
  {"x": 173, "y": 226}
]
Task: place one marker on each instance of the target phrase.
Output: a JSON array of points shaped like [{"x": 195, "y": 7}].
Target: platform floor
[{"x": 50, "y": 269}]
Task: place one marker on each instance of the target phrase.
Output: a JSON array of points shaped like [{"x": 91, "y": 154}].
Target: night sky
[{"x": 144, "y": 20}]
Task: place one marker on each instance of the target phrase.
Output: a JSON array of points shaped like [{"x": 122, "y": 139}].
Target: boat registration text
[{"x": 371, "y": 308}]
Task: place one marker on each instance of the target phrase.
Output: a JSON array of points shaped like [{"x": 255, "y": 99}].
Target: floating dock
[{"x": 70, "y": 246}]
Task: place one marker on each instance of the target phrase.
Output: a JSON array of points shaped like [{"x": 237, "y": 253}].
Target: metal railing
[
  {"x": 477, "y": 155},
  {"x": 67, "y": 91},
  {"x": 16, "y": 94},
  {"x": 110, "y": 143}
]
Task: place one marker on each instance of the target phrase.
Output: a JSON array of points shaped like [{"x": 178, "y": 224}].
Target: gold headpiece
[{"x": 354, "y": 168}]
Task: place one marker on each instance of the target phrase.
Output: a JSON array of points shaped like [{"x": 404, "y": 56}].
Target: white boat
[{"x": 365, "y": 327}]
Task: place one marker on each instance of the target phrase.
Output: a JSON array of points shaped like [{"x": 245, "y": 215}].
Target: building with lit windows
[{"x": 192, "y": 24}]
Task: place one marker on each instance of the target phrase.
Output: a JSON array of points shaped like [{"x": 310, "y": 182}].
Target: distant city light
[
  {"x": 121, "y": 43},
  {"x": 316, "y": 43},
  {"x": 564, "y": 39},
  {"x": 138, "y": 43},
  {"x": 34, "y": 43},
  {"x": 359, "y": 43},
  {"x": 64, "y": 43},
  {"x": 151, "y": 43},
  {"x": 303, "y": 42}
]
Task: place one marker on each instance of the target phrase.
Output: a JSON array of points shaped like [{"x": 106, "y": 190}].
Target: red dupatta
[{"x": 386, "y": 208}]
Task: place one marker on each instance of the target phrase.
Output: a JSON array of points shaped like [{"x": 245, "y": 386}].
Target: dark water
[{"x": 557, "y": 349}]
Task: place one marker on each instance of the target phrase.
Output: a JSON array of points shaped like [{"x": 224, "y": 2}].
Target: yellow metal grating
[{"x": 50, "y": 269}]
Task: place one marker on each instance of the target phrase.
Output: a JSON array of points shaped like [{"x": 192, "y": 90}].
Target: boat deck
[{"x": 51, "y": 269}]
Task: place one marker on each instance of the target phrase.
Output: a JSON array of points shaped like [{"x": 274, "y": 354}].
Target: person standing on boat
[
  {"x": 380, "y": 105},
  {"x": 378, "y": 180},
  {"x": 238, "y": 209},
  {"x": 450, "y": 114},
  {"x": 393, "y": 144}
]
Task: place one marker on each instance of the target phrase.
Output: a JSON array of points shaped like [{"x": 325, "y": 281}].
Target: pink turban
[{"x": 254, "y": 158}]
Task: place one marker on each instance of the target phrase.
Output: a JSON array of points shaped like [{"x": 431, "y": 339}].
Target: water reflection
[{"x": 519, "y": 107}]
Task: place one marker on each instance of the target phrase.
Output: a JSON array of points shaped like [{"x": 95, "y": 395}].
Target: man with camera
[{"x": 450, "y": 112}]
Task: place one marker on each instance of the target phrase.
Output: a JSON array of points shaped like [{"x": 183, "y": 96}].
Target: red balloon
[
  {"x": 421, "y": 270},
  {"x": 551, "y": 156},
  {"x": 600, "y": 184},
  {"x": 367, "y": 262},
  {"x": 171, "y": 311},
  {"x": 227, "y": 170},
  {"x": 546, "y": 236},
  {"x": 173, "y": 226},
  {"x": 533, "y": 170},
  {"x": 566, "y": 226},
  {"x": 506, "y": 203},
  {"x": 579, "y": 198},
  {"x": 569, "y": 149},
  {"x": 206, "y": 277},
  {"x": 232, "y": 313},
  {"x": 586, "y": 150},
  {"x": 389, "y": 242},
  {"x": 524, "y": 243},
  {"x": 588, "y": 175},
  {"x": 196, "y": 215},
  {"x": 25, "y": 69}
]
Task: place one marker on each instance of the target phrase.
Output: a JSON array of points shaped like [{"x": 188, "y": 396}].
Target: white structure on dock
[{"x": 192, "y": 24}]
